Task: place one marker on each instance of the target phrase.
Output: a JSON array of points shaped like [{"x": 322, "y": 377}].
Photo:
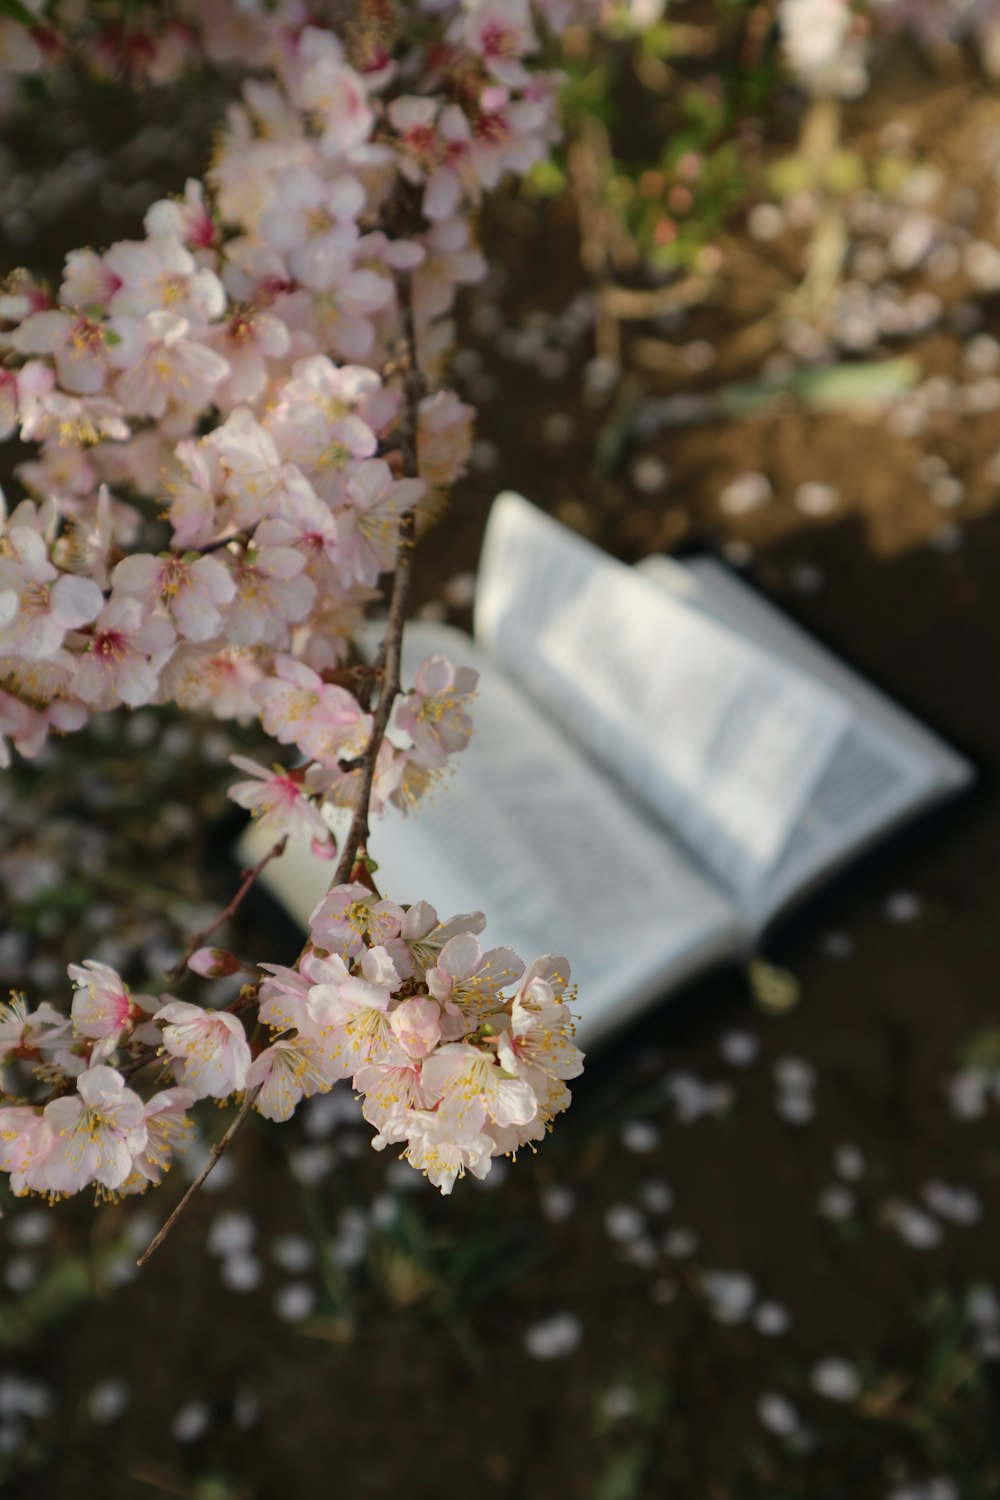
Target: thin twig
[
  {"x": 388, "y": 662},
  {"x": 217, "y": 1150},
  {"x": 248, "y": 876}
]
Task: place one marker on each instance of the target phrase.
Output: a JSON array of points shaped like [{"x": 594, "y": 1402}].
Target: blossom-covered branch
[{"x": 263, "y": 369}]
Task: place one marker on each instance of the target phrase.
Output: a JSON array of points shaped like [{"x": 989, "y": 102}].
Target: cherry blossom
[
  {"x": 167, "y": 1125},
  {"x": 209, "y": 1048},
  {"x": 125, "y": 652},
  {"x": 193, "y": 592},
  {"x": 40, "y": 604},
  {"x": 275, "y": 797},
  {"x": 95, "y": 1133},
  {"x": 102, "y": 1005},
  {"x": 265, "y": 369},
  {"x": 434, "y": 715}
]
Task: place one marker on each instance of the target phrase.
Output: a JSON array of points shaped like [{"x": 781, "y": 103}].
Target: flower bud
[
  {"x": 214, "y": 963},
  {"x": 417, "y": 1024}
]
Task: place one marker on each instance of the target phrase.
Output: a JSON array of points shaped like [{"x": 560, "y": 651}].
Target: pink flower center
[
  {"x": 35, "y": 599},
  {"x": 173, "y": 577},
  {"x": 111, "y": 645},
  {"x": 496, "y": 40},
  {"x": 492, "y": 128},
  {"x": 422, "y": 141}
]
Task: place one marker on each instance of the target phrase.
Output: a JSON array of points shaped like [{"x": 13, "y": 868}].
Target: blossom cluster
[
  {"x": 267, "y": 306},
  {"x": 239, "y": 423},
  {"x": 459, "y": 1054}
]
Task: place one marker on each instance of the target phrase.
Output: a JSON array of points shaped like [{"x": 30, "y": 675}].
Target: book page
[
  {"x": 887, "y": 768},
  {"x": 559, "y": 860},
  {"x": 723, "y": 741}
]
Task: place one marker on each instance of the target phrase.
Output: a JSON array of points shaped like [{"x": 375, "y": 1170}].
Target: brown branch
[
  {"x": 386, "y": 667},
  {"x": 217, "y": 1150},
  {"x": 248, "y": 878}
]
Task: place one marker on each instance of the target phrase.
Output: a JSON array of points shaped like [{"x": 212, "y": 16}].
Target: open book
[{"x": 662, "y": 763}]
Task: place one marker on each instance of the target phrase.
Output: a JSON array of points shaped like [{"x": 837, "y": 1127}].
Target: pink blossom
[
  {"x": 500, "y": 32},
  {"x": 192, "y": 592},
  {"x": 221, "y": 681},
  {"x": 444, "y": 438},
  {"x": 96, "y": 1133},
  {"x": 271, "y": 593},
  {"x": 291, "y": 1069},
  {"x": 48, "y": 603},
  {"x": 102, "y": 1005},
  {"x": 317, "y": 425},
  {"x": 416, "y": 1024},
  {"x": 124, "y": 656},
  {"x": 468, "y": 981},
  {"x": 345, "y": 305},
  {"x": 370, "y": 519},
  {"x": 250, "y": 465},
  {"x": 538, "y": 1046},
  {"x": 188, "y": 219},
  {"x": 209, "y": 1048},
  {"x": 435, "y": 714},
  {"x": 30, "y": 1034},
  {"x": 80, "y": 345},
  {"x": 338, "y": 97},
  {"x": 391, "y": 1088},
  {"x": 158, "y": 275},
  {"x": 309, "y": 219},
  {"x": 353, "y": 1020},
  {"x": 167, "y": 1125},
  {"x": 444, "y": 1143},
  {"x": 284, "y": 993},
  {"x": 436, "y": 151},
  {"x": 275, "y": 798},
  {"x": 247, "y": 343},
  {"x": 472, "y": 1079},
  {"x": 88, "y": 280},
  {"x": 47, "y": 413},
  {"x": 25, "y": 1142},
  {"x": 171, "y": 369},
  {"x": 298, "y": 708},
  {"x": 350, "y": 914},
  {"x": 425, "y": 935}
]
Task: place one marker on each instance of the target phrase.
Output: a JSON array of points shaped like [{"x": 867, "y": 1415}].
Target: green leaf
[{"x": 18, "y": 12}]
